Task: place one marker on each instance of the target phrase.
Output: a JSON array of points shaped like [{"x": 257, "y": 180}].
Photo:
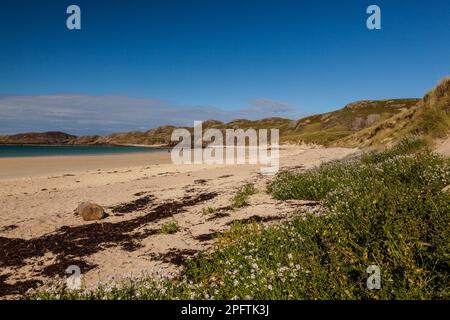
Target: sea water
[{"x": 31, "y": 151}]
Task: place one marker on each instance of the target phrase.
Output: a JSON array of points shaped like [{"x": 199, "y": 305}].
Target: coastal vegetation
[
  {"x": 170, "y": 227},
  {"x": 240, "y": 199},
  {"x": 388, "y": 209},
  {"x": 209, "y": 210}
]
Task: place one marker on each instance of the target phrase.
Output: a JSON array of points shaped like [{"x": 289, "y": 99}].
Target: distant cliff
[{"x": 46, "y": 138}]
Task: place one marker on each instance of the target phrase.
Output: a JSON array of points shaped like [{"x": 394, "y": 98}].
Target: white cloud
[
  {"x": 84, "y": 114},
  {"x": 272, "y": 106}
]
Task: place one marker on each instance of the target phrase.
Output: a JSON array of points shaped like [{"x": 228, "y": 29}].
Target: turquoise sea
[{"x": 31, "y": 151}]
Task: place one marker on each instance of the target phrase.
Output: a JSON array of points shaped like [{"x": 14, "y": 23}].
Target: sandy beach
[{"x": 40, "y": 236}]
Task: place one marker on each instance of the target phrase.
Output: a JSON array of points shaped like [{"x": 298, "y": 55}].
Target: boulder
[{"x": 90, "y": 211}]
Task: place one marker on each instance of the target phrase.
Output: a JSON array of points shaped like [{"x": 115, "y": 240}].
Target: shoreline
[
  {"x": 31, "y": 166},
  {"x": 144, "y": 150},
  {"x": 85, "y": 145}
]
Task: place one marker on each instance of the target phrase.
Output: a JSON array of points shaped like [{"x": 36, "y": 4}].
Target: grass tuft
[
  {"x": 209, "y": 210},
  {"x": 241, "y": 198},
  {"x": 170, "y": 227}
]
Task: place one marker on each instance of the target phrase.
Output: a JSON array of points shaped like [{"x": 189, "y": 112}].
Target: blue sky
[{"x": 138, "y": 64}]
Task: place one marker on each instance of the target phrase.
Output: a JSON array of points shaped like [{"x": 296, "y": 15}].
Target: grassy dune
[{"x": 430, "y": 118}]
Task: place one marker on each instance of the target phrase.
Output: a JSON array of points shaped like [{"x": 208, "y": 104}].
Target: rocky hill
[
  {"x": 156, "y": 136},
  {"x": 46, "y": 138},
  {"x": 327, "y": 128}
]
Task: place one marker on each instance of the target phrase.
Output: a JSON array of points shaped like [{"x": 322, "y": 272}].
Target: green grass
[
  {"x": 241, "y": 198},
  {"x": 434, "y": 122},
  {"x": 209, "y": 210},
  {"x": 385, "y": 209},
  {"x": 170, "y": 227},
  {"x": 317, "y": 183}
]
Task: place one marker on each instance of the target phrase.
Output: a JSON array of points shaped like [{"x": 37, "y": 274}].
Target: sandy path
[
  {"x": 443, "y": 147},
  {"x": 40, "y": 236}
]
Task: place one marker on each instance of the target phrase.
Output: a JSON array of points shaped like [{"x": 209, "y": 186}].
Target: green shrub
[
  {"x": 170, "y": 227},
  {"x": 241, "y": 197},
  {"x": 407, "y": 145}
]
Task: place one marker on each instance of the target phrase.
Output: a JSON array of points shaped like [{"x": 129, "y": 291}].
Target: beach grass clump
[
  {"x": 405, "y": 146},
  {"x": 170, "y": 227},
  {"x": 387, "y": 210},
  {"x": 434, "y": 119},
  {"x": 313, "y": 185},
  {"x": 316, "y": 183},
  {"x": 240, "y": 199},
  {"x": 209, "y": 210}
]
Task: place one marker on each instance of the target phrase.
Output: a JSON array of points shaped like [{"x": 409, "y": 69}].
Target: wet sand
[{"x": 14, "y": 168}]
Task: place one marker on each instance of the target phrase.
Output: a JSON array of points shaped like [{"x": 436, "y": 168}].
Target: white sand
[{"x": 443, "y": 147}]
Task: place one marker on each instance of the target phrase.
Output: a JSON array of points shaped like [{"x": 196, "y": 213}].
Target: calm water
[{"x": 30, "y": 151}]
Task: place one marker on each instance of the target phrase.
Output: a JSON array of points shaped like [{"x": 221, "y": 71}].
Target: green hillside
[{"x": 327, "y": 128}]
